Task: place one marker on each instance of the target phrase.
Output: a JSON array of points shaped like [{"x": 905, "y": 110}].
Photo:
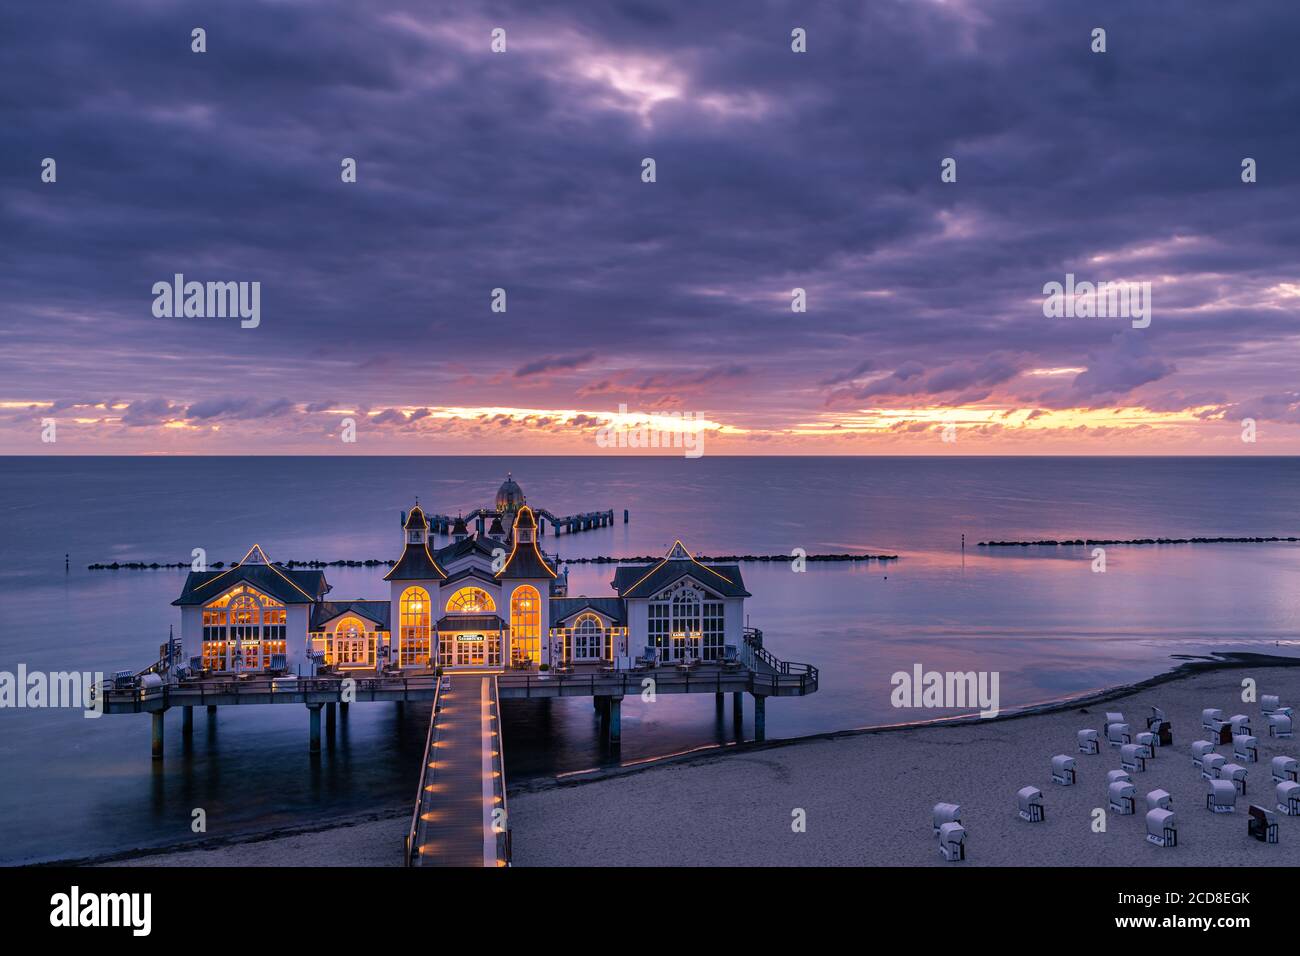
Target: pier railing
[
  {"x": 424, "y": 776},
  {"x": 757, "y": 658},
  {"x": 503, "y": 830},
  {"x": 761, "y": 672}
]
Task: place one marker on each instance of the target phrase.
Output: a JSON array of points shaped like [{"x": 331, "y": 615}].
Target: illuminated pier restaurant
[{"x": 483, "y": 617}]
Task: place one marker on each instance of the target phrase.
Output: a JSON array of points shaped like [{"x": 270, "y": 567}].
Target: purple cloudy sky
[{"x": 775, "y": 170}]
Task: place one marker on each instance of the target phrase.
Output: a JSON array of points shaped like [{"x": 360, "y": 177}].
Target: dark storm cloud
[
  {"x": 553, "y": 363},
  {"x": 522, "y": 171}
]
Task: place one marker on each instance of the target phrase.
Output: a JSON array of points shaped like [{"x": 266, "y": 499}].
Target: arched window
[
  {"x": 588, "y": 638},
  {"x": 526, "y": 624},
  {"x": 470, "y": 601},
  {"x": 686, "y": 624},
  {"x": 242, "y": 630},
  {"x": 414, "y": 636},
  {"x": 353, "y": 643}
]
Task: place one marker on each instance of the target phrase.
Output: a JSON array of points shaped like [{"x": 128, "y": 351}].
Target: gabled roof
[
  {"x": 415, "y": 564},
  {"x": 525, "y": 561},
  {"x": 377, "y": 612},
  {"x": 255, "y": 570},
  {"x": 462, "y": 549},
  {"x": 473, "y": 572},
  {"x": 644, "y": 581},
  {"x": 611, "y": 607}
]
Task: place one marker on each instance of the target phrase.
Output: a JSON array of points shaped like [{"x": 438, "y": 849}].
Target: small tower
[
  {"x": 496, "y": 532},
  {"x": 510, "y": 498},
  {"x": 416, "y": 528},
  {"x": 414, "y": 583},
  {"x": 458, "y": 530}
]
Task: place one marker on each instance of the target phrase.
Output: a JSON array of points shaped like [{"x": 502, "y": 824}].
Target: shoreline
[{"x": 378, "y": 822}]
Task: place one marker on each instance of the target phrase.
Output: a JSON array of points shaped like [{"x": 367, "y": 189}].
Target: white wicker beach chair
[
  {"x": 1211, "y": 718},
  {"x": 1117, "y": 735},
  {"x": 1133, "y": 757},
  {"x": 1122, "y": 797},
  {"x": 952, "y": 842},
  {"x": 1288, "y": 798},
  {"x": 1240, "y": 724},
  {"x": 1115, "y": 776},
  {"x": 1200, "y": 749},
  {"x": 1063, "y": 770},
  {"x": 1279, "y": 726},
  {"x": 1284, "y": 768},
  {"x": 1088, "y": 742},
  {"x": 1159, "y": 800},
  {"x": 945, "y": 813},
  {"x": 1236, "y": 774},
  {"x": 1245, "y": 747},
  {"x": 1221, "y": 796},
  {"x": 1211, "y": 764},
  {"x": 1029, "y": 803},
  {"x": 1162, "y": 827}
]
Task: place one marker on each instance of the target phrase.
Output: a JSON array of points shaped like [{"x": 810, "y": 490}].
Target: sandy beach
[{"x": 867, "y": 798}]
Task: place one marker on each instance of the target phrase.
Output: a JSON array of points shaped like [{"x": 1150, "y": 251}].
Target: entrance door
[
  {"x": 476, "y": 650},
  {"x": 470, "y": 650}
]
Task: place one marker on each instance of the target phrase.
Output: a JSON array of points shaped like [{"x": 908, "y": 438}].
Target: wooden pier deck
[
  {"x": 460, "y": 816},
  {"x": 460, "y": 811}
]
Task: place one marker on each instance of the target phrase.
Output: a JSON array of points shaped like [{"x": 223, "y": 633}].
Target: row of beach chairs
[{"x": 1224, "y": 781}]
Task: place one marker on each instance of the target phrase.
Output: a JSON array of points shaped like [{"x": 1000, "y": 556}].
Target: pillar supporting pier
[
  {"x": 329, "y": 718},
  {"x": 614, "y": 709},
  {"x": 313, "y": 711},
  {"x": 157, "y": 716},
  {"x": 187, "y": 720},
  {"x": 760, "y": 717},
  {"x": 738, "y": 713}
]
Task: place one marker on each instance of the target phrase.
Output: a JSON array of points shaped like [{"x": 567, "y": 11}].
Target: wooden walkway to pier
[{"x": 459, "y": 816}]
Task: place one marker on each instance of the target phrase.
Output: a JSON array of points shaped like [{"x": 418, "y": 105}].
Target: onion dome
[{"x": 510, "y": 497}]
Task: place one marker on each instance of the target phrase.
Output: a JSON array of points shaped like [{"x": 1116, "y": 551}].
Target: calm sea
[{"x": 72, "y": 787}]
